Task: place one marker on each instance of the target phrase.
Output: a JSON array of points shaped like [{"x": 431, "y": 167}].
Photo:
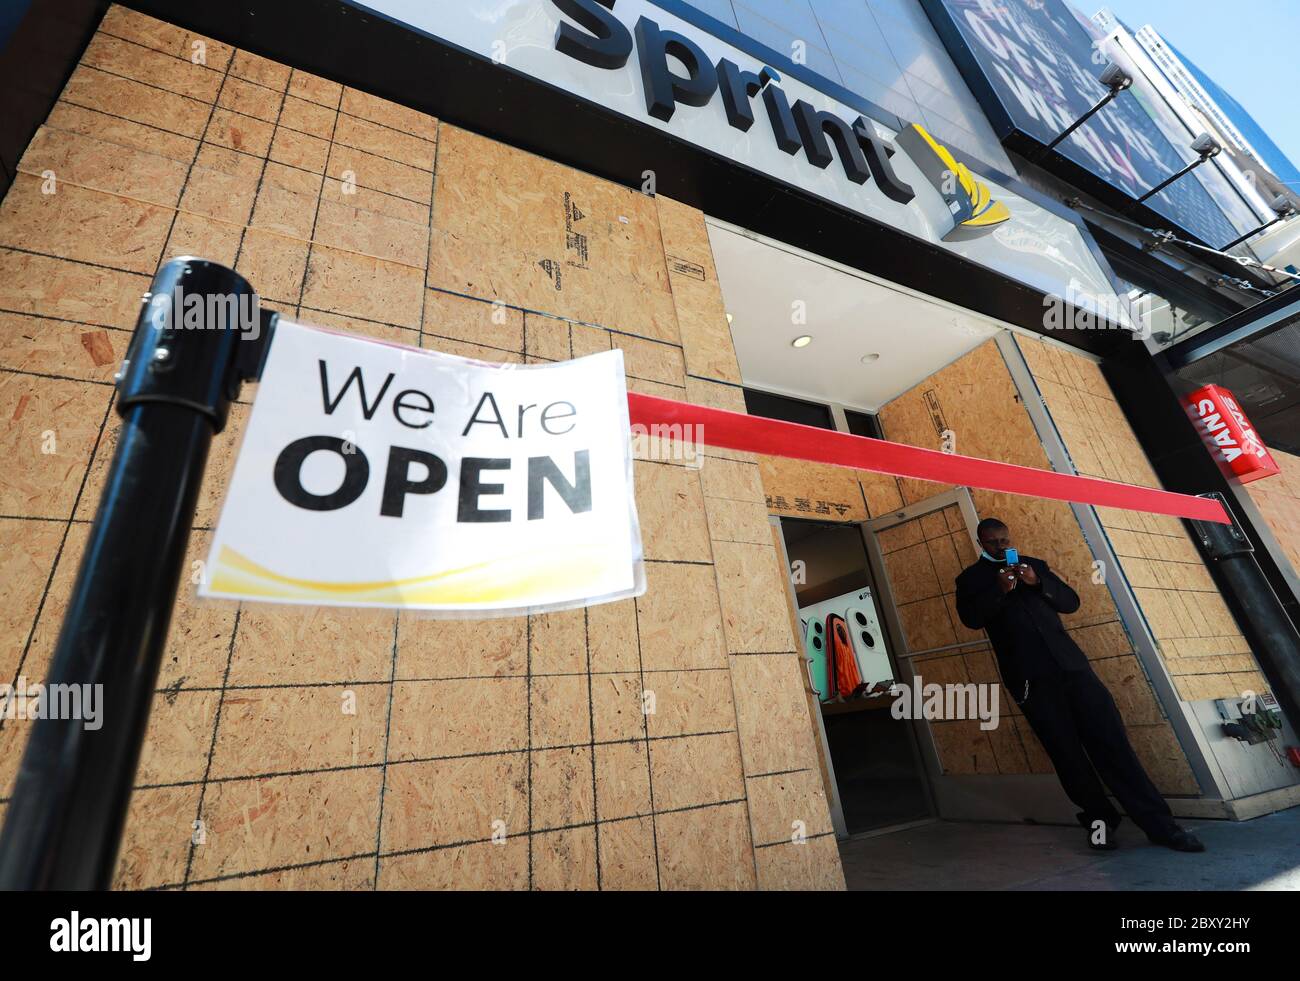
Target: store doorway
[
  {"x": 873, "y": 759},
  {"x": 829, "y": 346},
  {"x": 918, "y": 552}
]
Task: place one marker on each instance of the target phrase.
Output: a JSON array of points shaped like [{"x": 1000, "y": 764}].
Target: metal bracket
[
  {"x": 218, "y": 315},
  {"x": 1219, "y": 541}
]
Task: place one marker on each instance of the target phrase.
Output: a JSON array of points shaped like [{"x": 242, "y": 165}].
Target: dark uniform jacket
[{"x": 1024, "y": 625}]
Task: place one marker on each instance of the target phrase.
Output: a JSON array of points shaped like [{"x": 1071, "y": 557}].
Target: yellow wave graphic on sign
[
  {"x": 975, "y": 204},
  {"x": 518, "y": 579}
]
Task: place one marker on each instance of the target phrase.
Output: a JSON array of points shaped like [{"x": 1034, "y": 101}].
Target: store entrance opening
[
  {"x": 875, "y": 765},
  {"x": 830, "y": 347}
]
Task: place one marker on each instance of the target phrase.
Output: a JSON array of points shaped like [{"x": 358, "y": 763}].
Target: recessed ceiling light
[
  {"x": 802, "y": 341},
  {"x": 868, "y": 358}
]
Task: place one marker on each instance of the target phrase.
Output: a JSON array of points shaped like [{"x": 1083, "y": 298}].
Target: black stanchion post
[
  {"x": 1272, "y": 635},
  {"x": 199, "y": 336}
]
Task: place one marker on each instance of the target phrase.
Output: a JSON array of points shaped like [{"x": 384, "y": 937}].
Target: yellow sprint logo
[{"x": 972, "y": 206}]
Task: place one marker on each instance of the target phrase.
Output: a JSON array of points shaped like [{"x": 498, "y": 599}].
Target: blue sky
[{"x": 1250, "y": 47}]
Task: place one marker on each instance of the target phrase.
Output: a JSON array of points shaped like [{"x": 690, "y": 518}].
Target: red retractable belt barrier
[{"x": 754, "y": 434}]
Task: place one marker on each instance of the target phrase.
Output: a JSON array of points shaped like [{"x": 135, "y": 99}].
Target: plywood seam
[
  {"x": 58, "y": 554},
  {"x": 80, "y": 262},
  {"x": 215, "y": 104},
  {"x": 645, "y": 729},
  {"x": 234, "y": 631},
  {"x": 65, "y": 320},
  {"x": 388, "y": 727},
  {"x": 805, "y": 839},
  {"x": 591, "y": 721},
  {"x": 178, "y": 209},
  {"x": 539, "y": 313}
]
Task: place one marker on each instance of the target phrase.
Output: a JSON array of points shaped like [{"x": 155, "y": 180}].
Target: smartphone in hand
[{"x": 1011, "y": 558}]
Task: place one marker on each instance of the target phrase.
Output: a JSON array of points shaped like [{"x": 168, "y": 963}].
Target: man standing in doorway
[{"x": 1071, "y": 711}]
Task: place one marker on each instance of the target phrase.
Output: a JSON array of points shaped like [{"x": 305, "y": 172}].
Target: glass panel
[{"x": 782, "y": 407}]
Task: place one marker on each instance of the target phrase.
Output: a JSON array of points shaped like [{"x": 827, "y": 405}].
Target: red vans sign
[{"x": 1229, "y": 435}]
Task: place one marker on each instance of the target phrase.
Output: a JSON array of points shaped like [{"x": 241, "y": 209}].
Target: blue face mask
[{"x": 984, "y": 554}]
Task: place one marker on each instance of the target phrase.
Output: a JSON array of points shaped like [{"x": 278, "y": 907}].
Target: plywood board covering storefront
[
  {"x": 1195, "y": 633},
  {"x": 359, "y": 214},
  {"x": 975, "y": 406}
]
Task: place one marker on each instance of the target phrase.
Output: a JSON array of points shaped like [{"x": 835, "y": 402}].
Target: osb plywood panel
[
  {"x": 772, "y": 713},
  {"x": 88, "y": 295},
  {"x": 13, "y": 739},
  {"x": 811, "y": 699},
  {"x": 349, "y": 874},
  {"x": 803, "y": 865},
  {"x": 156, "y": 844},
  {"x": 81, "y": 224},
  {"x": 752, "y": 587},
  {"x": 797, "y": 488},
  {"x": 122, "y": 22},
  {"x": 737, "y": 521},
  {"x": 690, "y": 703},
  {"x": 287, "y": 820},
  {"x": 1187, "y": 616},
  {"x": 479, "y": 866},
  {"x": 1157, "y": 747},
  {"x": 1278, "y": 499},
  {"x": 27, "y": 553},
  {"x": 685, "y": 239},
  {"x": 975, "y": 402},
  {"x": 784, "y": 806},
  {"x": 670, "y": 508},
  {"x": 44, "y": 631},
  {"x": 280, "y": 736},
  {"x": 718, "y": 395},
  {"x": 511, "y": 226},
  {"x": 964, "y": 747},
  {"x": 37, "y": 346},
  {"x": 545, "y": 284},
  {"x": 706, "y": 848},
  {"x": 697, "y": 296},
  {"x": 703, "y": 327},
  {"x": 813, "y": 490},
  {"x": 496, "y": 195},
  {"x": 975, "y": 399},
  {"x": 627, "y": 852},
  {"x": 679, "y": 618},
  {"x": 677, "y": 766},
  {"x": 732, "y": 480}
]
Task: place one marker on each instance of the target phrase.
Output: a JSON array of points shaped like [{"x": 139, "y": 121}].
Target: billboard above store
[
  {"x": 644, "y": 63},
  {"x": 1034, "y": 67}
]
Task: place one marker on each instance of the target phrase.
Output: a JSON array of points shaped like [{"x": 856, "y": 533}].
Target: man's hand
[
  {"x": 1027, "y": 574},
  {"x": 1007, "y": 579}
]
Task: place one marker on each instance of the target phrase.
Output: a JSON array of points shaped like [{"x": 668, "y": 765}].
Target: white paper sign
[{"x": 373, "y": 474}]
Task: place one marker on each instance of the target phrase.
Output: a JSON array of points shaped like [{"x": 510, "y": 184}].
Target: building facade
[
  {"x": 1226, "y": 112},
  {"x": 540, "y": 180}
]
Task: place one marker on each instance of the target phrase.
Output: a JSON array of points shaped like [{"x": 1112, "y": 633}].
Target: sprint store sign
[{"x": 373, "y": 474}]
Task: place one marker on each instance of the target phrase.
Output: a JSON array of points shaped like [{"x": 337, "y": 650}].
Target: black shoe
[{"x": 1181, "y": 840}]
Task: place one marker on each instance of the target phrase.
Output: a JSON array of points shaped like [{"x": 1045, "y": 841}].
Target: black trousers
[{"x": 1075, "y": 718}]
